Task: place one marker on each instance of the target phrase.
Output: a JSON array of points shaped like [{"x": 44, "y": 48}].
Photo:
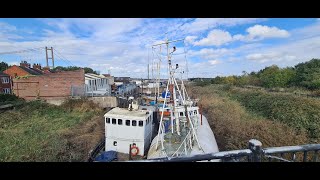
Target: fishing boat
[
  {"x": 173, "y": 126},
  {"x": 183, "y": 130}
]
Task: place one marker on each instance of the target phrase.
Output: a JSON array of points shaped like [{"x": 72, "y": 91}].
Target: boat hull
[{"x": 206, "y": 140}]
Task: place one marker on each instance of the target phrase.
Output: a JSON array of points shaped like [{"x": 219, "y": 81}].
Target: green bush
[
  {"x": 297, "y": 112},
  {"x": 8, "y": 97}
]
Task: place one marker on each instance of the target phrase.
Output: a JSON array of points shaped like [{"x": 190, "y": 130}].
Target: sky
[{"x": 207, "y": 47}]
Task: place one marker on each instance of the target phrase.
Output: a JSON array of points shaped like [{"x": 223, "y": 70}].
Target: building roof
[
  {"x": 31, "y": 71},
  {"x": 124, "y": 113},
  {"x": 3, "y": 74},
  {"x": 92, "y": 76}
]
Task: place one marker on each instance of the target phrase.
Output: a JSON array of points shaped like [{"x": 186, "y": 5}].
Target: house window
[
  {"x": 127, "y": 122},
  {"x": 134, "y": 123},
  {"x": 114, "y": 143},
  {"x": 6, "y": 90},
  {"x": 195, "y": 112},
  {"x": 114, "y": 121},
  {"x": 140, "y": 123},
  {"x": 108, "y": 120},
  {"x": 5, "y": 80},
  {"x": 181, "y": 114},
  {"x": 119, "y": 121}
]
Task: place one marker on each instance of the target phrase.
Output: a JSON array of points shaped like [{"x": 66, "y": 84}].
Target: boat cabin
[{"x": 125, "y": 128}]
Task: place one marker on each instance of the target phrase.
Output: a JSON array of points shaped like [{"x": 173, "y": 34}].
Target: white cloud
[
  {"x": 238, "y": 37},
  {"x": 214, "y": 62},
  {"x": 216, "y": 37},
  {"x": 7, "y": 32},
  {"x": 202, "y": 24},
  {"x": 271, "y": 57},
  {"x": 288, "y": 54},
  {"x": 190, "y": 39},
  {"x": 209, "y": 53},
  {"x": 262, "y": 32}
]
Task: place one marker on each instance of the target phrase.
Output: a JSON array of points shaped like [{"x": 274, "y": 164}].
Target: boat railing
[{"x": 255, "y": 153}]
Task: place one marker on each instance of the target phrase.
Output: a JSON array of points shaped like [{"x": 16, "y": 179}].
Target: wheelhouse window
[
  {"x": 134, "y": 123},
  {"x": 108, "y": 120},
  {"x": 127, "y": 122},
  {"x": 119, "y": 121},
  {"x": 140, "y": 123},
  {"x": 114, "y": 121}
]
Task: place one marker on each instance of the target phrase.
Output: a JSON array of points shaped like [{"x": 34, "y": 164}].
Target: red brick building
[
  {"x": 5, "y": 83},
  {"x": 48, "y": 86},
  {"x": 24, "y": 69}
]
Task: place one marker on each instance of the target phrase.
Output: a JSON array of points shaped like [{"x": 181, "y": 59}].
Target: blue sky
[{"x": 211, "y": 46}]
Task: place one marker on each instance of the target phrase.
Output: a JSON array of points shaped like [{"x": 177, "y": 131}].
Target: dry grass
[
  {"x": 38, "y": 131},
  {"x": 82, "y": 138},
  {"x": 233, "y": 126}
]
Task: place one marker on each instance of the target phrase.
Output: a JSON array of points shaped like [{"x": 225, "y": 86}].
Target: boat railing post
[
  {"x": 130, "y": 152},
  {"x": 256, "y": 147}
]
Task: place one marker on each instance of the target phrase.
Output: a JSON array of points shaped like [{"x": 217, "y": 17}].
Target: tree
[
  {"x": 3, "y": 66},
  {"x": 270, "y": 76},
  {"x": 73, "y": 68},
  {"x": 308, "y": 74},
  {"x": 89, "y": 70}
]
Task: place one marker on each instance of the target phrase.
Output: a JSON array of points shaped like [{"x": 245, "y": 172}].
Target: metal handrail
[{"x": 255, "y": 153}]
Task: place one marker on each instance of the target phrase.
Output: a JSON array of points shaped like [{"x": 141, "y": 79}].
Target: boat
[
  {"x": 183, "y": 129},
  {"x": 171, "y": 126}
]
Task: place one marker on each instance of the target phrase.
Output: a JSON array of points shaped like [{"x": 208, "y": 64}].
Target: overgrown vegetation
[
  {"x": 305, "y": 75},
  {"x": 10, "y": 99},
  {"x": 72, "y": 68},
  {"x": 297, "y": 112},
  {"x": 38, "y": 131},
  {"x": 234, "y": 126}
]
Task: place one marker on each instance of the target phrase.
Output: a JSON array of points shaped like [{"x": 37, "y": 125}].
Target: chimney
[
  {"x": 37, "y": 66},
  {"x": 46, "y": 70},
  {"x": 25, "y": 64}
]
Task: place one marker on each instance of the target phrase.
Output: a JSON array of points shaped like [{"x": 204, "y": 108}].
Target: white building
[
  {"x": 124, "y": 128},
  {"x": 97, "y": 85}
]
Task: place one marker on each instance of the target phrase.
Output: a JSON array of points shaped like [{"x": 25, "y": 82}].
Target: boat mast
[{"x": 170, "y": 83}]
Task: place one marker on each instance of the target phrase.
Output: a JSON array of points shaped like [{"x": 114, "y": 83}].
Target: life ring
[{"x": 134, "y": 150}]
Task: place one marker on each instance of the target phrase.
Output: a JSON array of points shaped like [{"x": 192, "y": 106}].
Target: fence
[
  {"x": 89, "y": 91},
  {"x": 255, "y": 153}
]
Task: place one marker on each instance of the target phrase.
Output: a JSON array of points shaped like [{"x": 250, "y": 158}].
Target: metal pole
[
  {"x": 256, "y": 147},
  {"x": 52, "y": 57},
  {"x": 47, "y": 56}
]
